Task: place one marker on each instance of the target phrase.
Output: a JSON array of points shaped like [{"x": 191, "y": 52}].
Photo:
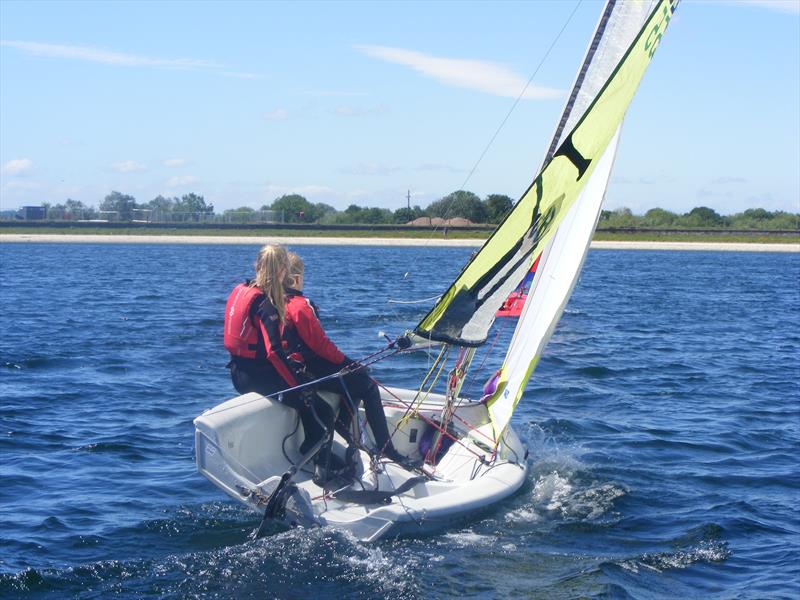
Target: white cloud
[
  {"x": 181, "y": 181},
  {"x": 120, "y": 59},
  {"x": 18, "y": 166},
  {"x": 484, "y": 76},
  {"x": 785, "y": 6},
  {"x": 370, "y": 169},
  {"x": 175, "y": 162},
  {"x": 279, "y": 114},
  {"x": 107, "y": 57},
  {"x": 433, "y": 167},
  {"x": 128, "y": 166}
]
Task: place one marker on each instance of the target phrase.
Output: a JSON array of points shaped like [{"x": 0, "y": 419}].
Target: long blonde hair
[
  {"x": 272, "y": 266},
  {"x": 296, "y": 268}
]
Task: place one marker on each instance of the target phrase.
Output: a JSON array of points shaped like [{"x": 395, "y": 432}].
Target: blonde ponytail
[{"x": 272, "y": 265}]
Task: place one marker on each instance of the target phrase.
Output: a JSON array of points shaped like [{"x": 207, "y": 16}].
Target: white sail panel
[
  {"x": 619, "y": 23},
  {"x": 556, "y": 276}
]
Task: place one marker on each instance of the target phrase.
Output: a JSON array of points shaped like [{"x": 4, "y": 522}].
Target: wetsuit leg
[
  {"x": 361, "y": 386},
  {"x": 264, "y": 382},
  {"x": 314, "y": 427}
]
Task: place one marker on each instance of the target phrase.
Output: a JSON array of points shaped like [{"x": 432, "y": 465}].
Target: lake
[{"x": 663, "y": 424}]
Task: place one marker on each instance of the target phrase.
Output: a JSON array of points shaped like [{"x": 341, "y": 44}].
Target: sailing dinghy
[
  {"x": 513, "y": 305},
  {"x": 469, "y": 455}
]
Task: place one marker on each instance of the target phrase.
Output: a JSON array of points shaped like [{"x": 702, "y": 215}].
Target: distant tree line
[
  {"x": 294, "y": 208},
  {"x": 700, "y": 217}
]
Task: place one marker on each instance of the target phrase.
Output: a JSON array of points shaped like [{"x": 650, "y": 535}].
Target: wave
[
  {"x": 705, "y": 552},
  {"x": 323, "y": 562}
]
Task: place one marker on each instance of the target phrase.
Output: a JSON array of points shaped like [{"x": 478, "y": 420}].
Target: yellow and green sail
[{"x": 466, "y": 311}]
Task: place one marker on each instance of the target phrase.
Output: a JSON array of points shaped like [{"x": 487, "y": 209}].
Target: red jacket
[
  {"x": 301, "y": 317},
  {"x": 244, "y": 322}
]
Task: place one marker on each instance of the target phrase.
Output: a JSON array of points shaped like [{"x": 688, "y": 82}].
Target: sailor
[
  {"x": 308, "y": 342},
  {"x": 255, "y": 317}
]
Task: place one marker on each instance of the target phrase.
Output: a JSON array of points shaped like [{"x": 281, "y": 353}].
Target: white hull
[{"x": 242, "y": 447}]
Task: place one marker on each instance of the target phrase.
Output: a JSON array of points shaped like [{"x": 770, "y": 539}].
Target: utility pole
[{"x": 408, "y": 198}]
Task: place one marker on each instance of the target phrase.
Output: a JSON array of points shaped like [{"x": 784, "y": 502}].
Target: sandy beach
[{"x": 21, "y": 238}]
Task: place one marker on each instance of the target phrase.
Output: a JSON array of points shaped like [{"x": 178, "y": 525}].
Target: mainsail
[{"x": 624, "y": 43}]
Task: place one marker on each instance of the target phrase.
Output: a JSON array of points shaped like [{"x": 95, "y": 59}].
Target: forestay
[
  {"x": 624, "y": 43},
  {"x": 466, "y": 311}
]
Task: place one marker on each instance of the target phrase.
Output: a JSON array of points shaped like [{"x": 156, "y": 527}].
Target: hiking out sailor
[
  {"x": 255, "y": 317},
  {"x": 308, "y": 342}
]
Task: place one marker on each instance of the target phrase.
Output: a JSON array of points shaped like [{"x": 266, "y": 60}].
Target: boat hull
[{"x": 244, "y": 445}]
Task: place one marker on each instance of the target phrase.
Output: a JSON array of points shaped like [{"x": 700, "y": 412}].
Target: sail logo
[
  {"x": 544, "y": 221},
  {"x": 657, "y": 32}
]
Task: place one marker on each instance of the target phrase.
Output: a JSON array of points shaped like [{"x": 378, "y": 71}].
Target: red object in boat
[{"x": 512, "y": 307}]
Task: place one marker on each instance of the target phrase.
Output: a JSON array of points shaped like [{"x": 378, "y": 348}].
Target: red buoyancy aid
[{"x": 241, "y": 334}]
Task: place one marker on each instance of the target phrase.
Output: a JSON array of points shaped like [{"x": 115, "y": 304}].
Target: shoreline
[{"x": 20, "y": 238}]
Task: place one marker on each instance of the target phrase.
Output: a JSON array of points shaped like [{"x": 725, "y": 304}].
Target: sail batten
[{"x": 466, "y": 311}]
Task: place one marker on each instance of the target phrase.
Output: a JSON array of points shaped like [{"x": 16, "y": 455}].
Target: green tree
[
  {"x": 658, "y": 217},
  {"x": 622, "y": 217},
  {"x": 497, "y": 206},
  {"x": 243, "y": 214},
  {"x": 784, "y": 220},
  {"x": 406, "y": 215},
  {"x": 192, "y": 207},
  {"x": 161, "y": 203},
  {"x": 702, "y": 216},
  {"x": 758, "y": 214},
  {"x": 357, "y": 214},
  {"x": 295, "y": 209},
  {"x": 459, "y": 204},
  {"x": 122, "y": 204},
  {"x": 376, "y": 215},
  {"x": 322, "y": 210},
  {"x": 162, "y": 207},
  {"x": 70, "y": 210}
]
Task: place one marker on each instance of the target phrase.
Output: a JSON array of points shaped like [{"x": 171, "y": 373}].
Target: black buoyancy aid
[{"x": 241, "y": 334}]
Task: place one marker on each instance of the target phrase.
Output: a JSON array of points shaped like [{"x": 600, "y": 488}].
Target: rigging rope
[
  {"x": 449, "y": 208},
  {"x": 516, "y": 102}
]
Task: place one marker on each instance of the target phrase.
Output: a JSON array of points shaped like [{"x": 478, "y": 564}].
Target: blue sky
[{"x": 360, "y": 102}]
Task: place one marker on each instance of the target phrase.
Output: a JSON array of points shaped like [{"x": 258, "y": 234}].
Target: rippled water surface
[{"x": 663, "y": 426}]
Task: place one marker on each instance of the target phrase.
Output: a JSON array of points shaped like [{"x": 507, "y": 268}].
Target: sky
[{"x": 365, "y": 102}]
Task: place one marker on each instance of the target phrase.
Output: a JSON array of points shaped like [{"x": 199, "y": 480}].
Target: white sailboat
[{"x": 249, "y": 446}]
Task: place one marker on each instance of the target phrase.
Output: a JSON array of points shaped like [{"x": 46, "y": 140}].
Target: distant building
[{"x": 33, "y": 213}]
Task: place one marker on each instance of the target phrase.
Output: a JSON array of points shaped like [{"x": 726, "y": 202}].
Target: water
[{"x": 662, "y": 423}]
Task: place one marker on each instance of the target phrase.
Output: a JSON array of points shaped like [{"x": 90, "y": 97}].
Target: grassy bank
[
  {"x": 721, "y": 238},
  {"x": 453, "y": 234},
  {"x": 343, "y": 233}
]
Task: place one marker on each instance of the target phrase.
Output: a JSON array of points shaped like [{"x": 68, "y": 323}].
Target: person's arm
[{"x": 313, "y": 335}]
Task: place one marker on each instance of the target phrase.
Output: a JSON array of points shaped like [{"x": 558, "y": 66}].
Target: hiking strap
[{"x": 377, "y": 496}]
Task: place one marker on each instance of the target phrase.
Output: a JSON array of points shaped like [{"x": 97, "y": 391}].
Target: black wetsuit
[
  {"x": 259, "y": 375},
  {"x": 307, "y": 339}
]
